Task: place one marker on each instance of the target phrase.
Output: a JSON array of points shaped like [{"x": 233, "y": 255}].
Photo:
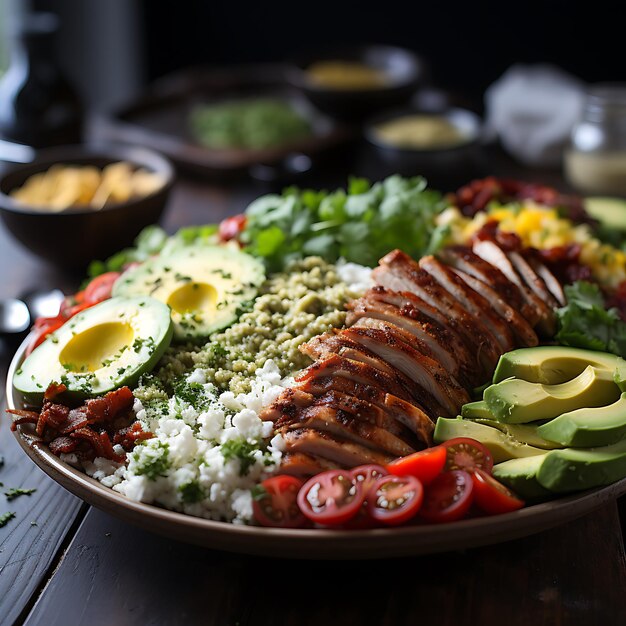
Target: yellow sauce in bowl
[
  {"x": 346, "y": 75},
  {"x": 420, "y": 132}
]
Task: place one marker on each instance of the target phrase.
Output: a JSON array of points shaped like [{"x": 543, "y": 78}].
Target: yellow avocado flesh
[
  {"x": 104, "y": 347},
  {"x": 89, "y": 350},
  {"x": 552, "y": 365},
  {"x": 194, "y": 297},
  {"x": 501, "y": 445},
  {"x": 588, "y": 427},
  {"x": 518, "y": 401}
]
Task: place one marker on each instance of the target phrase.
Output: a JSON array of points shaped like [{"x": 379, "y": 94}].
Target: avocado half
[
  {"x": 100, "y": 349},
  {"x": 206, "y": 287}
]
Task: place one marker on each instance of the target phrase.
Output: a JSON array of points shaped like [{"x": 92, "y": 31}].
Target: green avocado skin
[
  {"x": 563, "y": 471},
  {"x": 574, "y": 469},
  {"x": 588, "y": 427}
]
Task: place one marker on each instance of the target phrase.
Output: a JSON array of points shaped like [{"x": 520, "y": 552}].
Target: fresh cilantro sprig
[
  {"x": 585, "y": 322},
  {"x": 361, "y": 224}
]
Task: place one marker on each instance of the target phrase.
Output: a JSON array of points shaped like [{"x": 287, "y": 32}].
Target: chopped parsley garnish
[
  {"x": 154, "y": 463},
  {"x": 5, "y": 518},
  {"x": 191, "y": 492},
  {"x": 11, "y": 494},
  {"x": 241, "y": 449},
  {"x": 182, "y": 277},
  {"x": 192, "y": 393}
]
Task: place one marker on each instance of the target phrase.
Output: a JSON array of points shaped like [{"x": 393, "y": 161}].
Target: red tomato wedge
[
  {"x": 394, "y": 500},
  {"x": 100, "y": 287},
  {"x": 231, "y": 227},
  {"x": 42, "y": 328},
  {"x": 367, "y": 475},
  {"x": 425, "y": 465},
  {"x": 276, "y": 505},
  {"x": 448, "y": 497},
  {"x": 467, "y": 454},
  {"x": 331, "y": 498},
  {"x": 492, "y": 496}
]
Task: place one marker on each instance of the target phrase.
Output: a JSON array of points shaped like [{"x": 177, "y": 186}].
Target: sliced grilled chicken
[
  {"x": 452, "y": 334},
  {"x": 492, "y": 253},
  {"x": 289, "y": 402},
  {"x": 431, "y": 381},
  {"x": 429, "y": 335},
  {"x": 471, "y": 300},
  {"x": 410, "y": 415},
  {"x": 525, "y": 335},
  {"x": 399, "y": 267},
  {"x": 345, "y": 425},
  {"x": 304, "y": 465},
  {"x": 463, "y": 258},
  {"x": 548, "y": 277},
  {"x": 532, "y": 279},
  {"x": 325, "y": 345},
  {"x": 323, "y": 445},
  {"x": 336, "y": 365}
]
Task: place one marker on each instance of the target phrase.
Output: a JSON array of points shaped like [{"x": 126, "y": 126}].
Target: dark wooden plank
[
  {"x": 28, "y": 543},
  {"x": 116, "y": 574}
]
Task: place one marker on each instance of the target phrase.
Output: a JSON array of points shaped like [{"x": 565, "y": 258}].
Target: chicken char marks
[{"x": 413, "y": 347}]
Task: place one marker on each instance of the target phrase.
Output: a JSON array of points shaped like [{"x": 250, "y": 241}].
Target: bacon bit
[
  {"x": 54, "y": 390},
  {"x": 127, "y": 437},
  {"x": 106, "y": 408},
  {"x": 63, "y": 445},
  {"x": 100, "y": 443},
  {"x": 475, "y": 197},
  {"x": 53, "y": 415},
  {"x": 24, "y": 417},
  {"x": 77, "y": 418},
  {"x": 491, "y": 231}
]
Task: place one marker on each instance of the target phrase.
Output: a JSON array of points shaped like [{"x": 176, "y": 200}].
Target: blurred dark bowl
[
  {"x": 445, "y": 168},
  {"x": 73, "y": 237},
  {"x": 405, "y": 72}
]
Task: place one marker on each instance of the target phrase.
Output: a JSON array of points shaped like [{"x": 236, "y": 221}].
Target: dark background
[{"x": 112, "y": 48}]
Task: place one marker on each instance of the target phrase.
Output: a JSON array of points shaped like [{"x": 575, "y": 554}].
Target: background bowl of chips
[{"x": 73, "y": 204}]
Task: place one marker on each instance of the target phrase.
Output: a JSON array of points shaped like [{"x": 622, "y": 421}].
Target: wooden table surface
[{"x": 65, "y": 563}]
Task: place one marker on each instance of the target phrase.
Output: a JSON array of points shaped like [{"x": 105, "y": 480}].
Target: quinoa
[{"x": 292, "y": 307}]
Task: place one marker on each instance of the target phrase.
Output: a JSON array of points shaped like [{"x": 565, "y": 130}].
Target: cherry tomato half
[
  {"x": 231, "y": 227},
  {"x": 492, "y": 496},
  {"x": 42, "y": 328},
  {"x": 394, "y": 500},
  {"x": 330, "y": 498},
  {"x": 424, "y": 465},
  {"x": 467, "y": 454},
  {"x": 100, "y": 287},
  {"x": 448, "y": 497},
  {"x": 367, "y": 475},
  {"x": 276, "y": 505}
]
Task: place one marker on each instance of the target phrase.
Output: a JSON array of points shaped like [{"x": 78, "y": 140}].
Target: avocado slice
[
  {"x": 588, "y": 427},
  {"x": 564, "y": 471},
  {"x": 611, "y": 212},
  {"x": 207, "y": 287},
  {"x": 521, "y": 476},
  {"x": 100, "y": 349},
  {"x": 476, "y": 410},
  {"x": 524, "y": 433},
  {"x": 501, "y": 445},
  {"x": 552, "y": 365},
  {"x": 519, "y": 401}
]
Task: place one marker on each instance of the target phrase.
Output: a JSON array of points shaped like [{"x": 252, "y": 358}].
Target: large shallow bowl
[
  {"x": 299, "y": 543},
  {"x": 73, "y": 237}
]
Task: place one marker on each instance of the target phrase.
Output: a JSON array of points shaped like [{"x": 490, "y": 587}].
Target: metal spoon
[{"x": 16, "y": 315}]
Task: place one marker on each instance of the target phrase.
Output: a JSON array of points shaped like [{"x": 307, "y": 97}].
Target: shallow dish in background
[
  {"x": 306, "y": 543},
  {"x": 73, "y": 237},
  {"x": 404, "y": 72},
  {"x": 444, "y": 166},
  {"x": 160, "y": 117}
]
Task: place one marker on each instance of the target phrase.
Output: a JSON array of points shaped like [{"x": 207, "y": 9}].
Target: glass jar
[{"x": 595, "y": 159}]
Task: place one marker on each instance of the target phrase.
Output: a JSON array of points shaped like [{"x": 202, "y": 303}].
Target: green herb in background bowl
[{"x": 249, "y": 124}]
